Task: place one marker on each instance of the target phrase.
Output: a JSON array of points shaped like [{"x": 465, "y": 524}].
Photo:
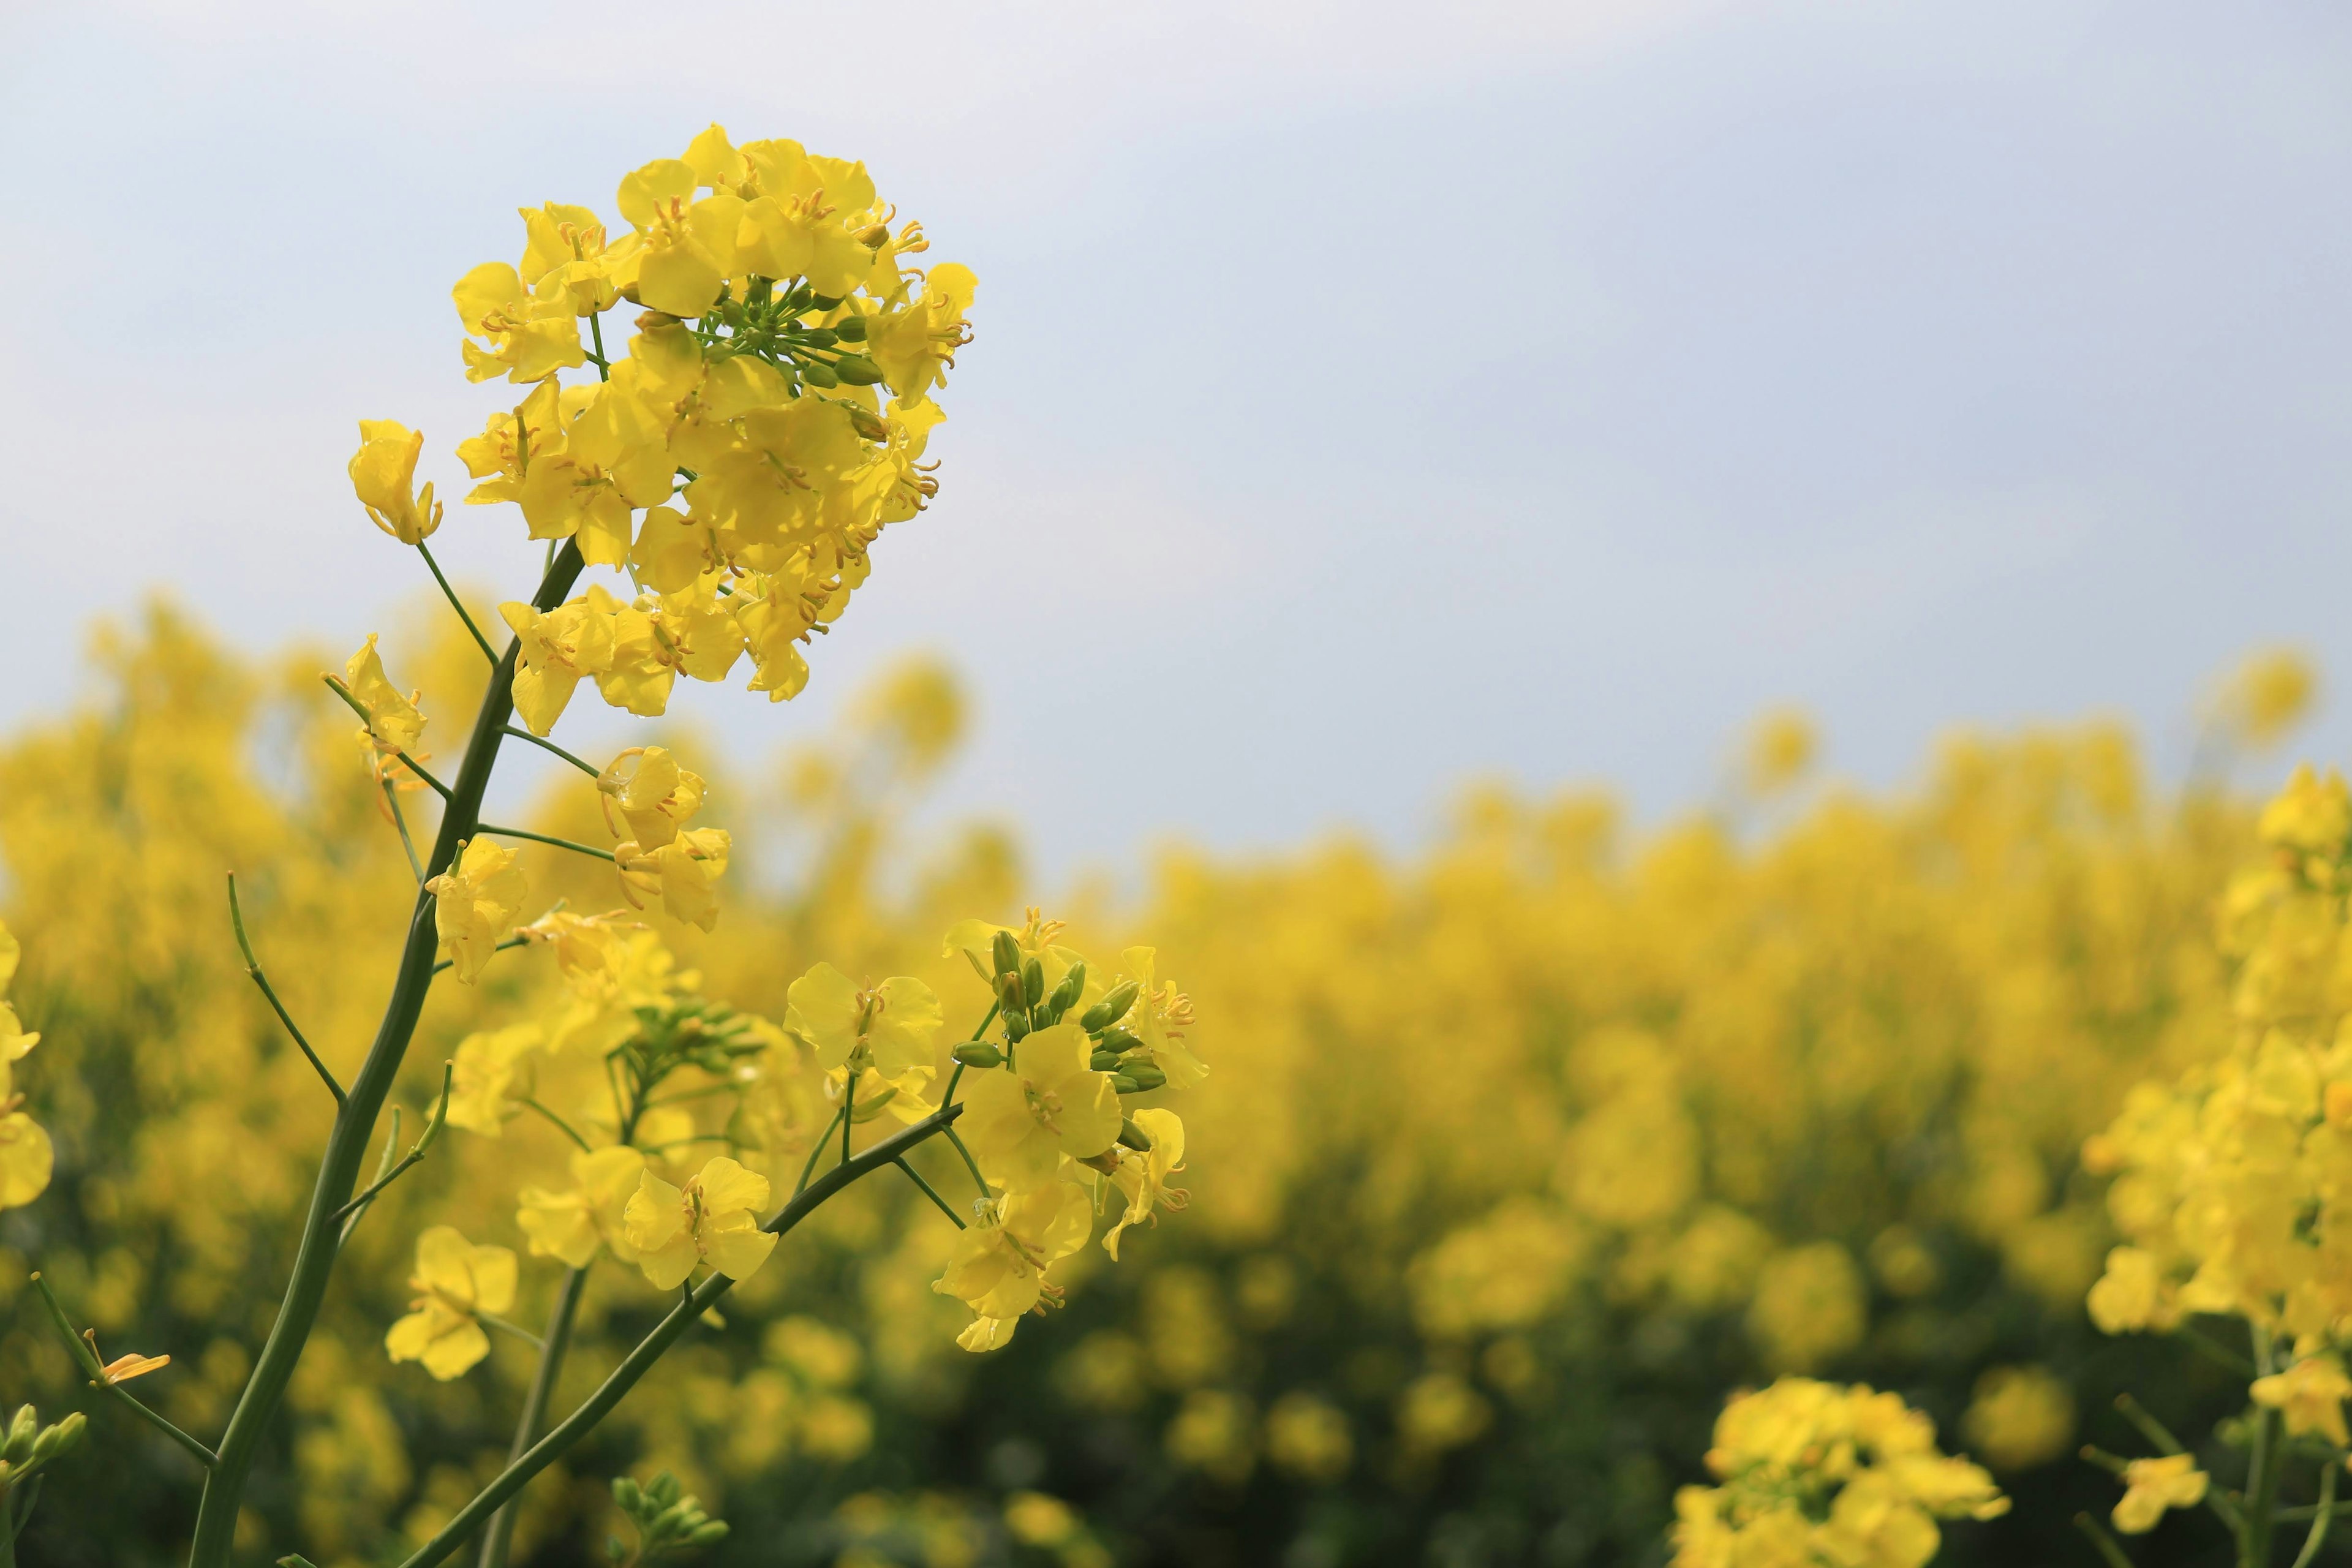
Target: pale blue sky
[{"x": 1365, "y": 395}]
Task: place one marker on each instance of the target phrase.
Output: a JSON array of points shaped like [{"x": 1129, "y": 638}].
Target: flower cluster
[
  {"x": 1817, "y": 1475},
  {"x": 26, "y": 1155}
]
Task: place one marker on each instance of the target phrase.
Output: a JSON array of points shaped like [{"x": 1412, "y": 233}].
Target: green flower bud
[
  {"x": 1124, "y": 1084},
  {"x": 708, "y": 1534},
  {"x": 820, "y": 302},
  {"x": 1032, "y": 982},
  {"x": 850, "y": 329},
  {"x": 1131, "y": 1136},
  {"x": 627, "y": 1493},
  {"x": 818, "y": 337},
  {"x": 1120, "y": 1040},
  {"x": 1110, "y": 1009},
  {"x": 21, "y": 1433},
  {"x": 1007, "y": 954},
  {"x": 1016, "y": 1028},
  {"x": 978, "y": 1054},
  {"x": 1073, "y": 986},
  {"x": 1104, "y": 1061},
  {"x": 817, "y": 374},
  {"x": 1145, "y": 1075},
  {"x": 857, "y": 370},
  {"x": 60, "y": 1438}
]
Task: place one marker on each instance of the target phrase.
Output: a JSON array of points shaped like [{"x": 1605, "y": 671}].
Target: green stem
[
  {"x": 848, "y": 1106},
  {"x": 2109, "y": 1553},
  {"x": 969, "y": 1162},
  {"x": 547, "y": 745},
  {"x": 314, "y": 1261},
  {"x": 516, "y": 1330},
  {"x": 392, "y": 799},
  {"x": 649, "y": 1349},
  {"x": 424, "y": 1142},
  {"x": 359, "y": 708},
  {"x": 451, "y": 595},
  {"x": 544, "y": 838},
  {"x": 87, "y": 1360},
  {"x": 2265, "y": 1468},
  {"x": 253, "y": 968},
  {"x": 931, "y": 1193},
  {"x": 816, "y": 1149},
  {"x": 2325, "y": 1516},
  {"x": 564, "y": 1126},
  {"x": 499, "y": 1537}
]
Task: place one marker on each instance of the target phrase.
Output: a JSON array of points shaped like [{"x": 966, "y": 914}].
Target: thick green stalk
[
  {"x": 354, "y": 1128},
  {"x": 501, "y": 1535},
  {"x": 650, "y": 1349}
]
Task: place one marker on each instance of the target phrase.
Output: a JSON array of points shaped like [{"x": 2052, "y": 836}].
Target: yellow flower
[
  {"x": 998, "y": 1267},
  {"x": 2310, "y": 1394},
  {"x": 531, "y": 334},
  {"x": 125, "y": 1367},
  {"x": 477, "y": 901},
  {"x": 713, "y": 1219},
  {"x": 2151, "y": 1486},
  {"x": 573, "y": 1224},
  {"x": 892, "y": 1025},
  {"x": 25, "y": 1157},
  {"x": 382, "y": 471},
  {"x": 1144, "y": 1177},
  {"x": 1159, "y": 1019},
  {"x": 591, "y": 950},
  {"x": 915, "y": 346},
  {"x": 652, "y": 794},
  {"x": 679, "y": 873},
  {"x": 558, "y": 649},
  {"x": 491, "y": 1077},
  {"x": 1045, "y": 1103},
  {"x": 455, "y": 1281},
  {"x": 678, "y": 258},
  {"x": 394, "y": 723}
]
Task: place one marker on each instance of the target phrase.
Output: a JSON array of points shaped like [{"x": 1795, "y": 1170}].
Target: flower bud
[
  {"x": 857, "y": 370},
  {"x": 1066, "y": 995},
  {"x": 1016, "y": 1028},
  {"x": 22, "y": 1430},
  {"x": 818, "y": 337},
  {"x": 1120, "y": 1040},
  {"x": 1104, "y": 1061},
  {"x": 821, "y": 302},
  {"x": 1110, "y": 1009},
  {"x": 1032, "y": 982},
  {"x": 1011, "y": 994},
  {"x": 1007, "y": 954},
  {"x": 1124, "y": 1084},
  {"x": 978, "y": 1054},
  {"x": 707, "y": 1533},
  {"x": 1144, "y": 1076},
  {"x": 60, "y": 1438},
  {"x": 850, "y": 329},
  {"x": 1131, "y": 1136},
  {"x": 816, "y": 373},
  {"x": 627, "y": 1493}
]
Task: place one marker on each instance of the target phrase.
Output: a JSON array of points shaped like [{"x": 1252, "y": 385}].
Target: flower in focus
[
  {"x": 893, "y": 1025},
  {"x": 652, "y": 794},
  {"x": 679, "y": 873},
  {"x": 1144, "y": 1177},
  {"x": 382, "y": 471},
  {"x": 559, "y": 647},
  {"x": 1158, "y": 1018},
  {"x": 1045, "y": 1103},
  {"x": 713, "y": 1219},
  {"x": 477, "y": 900},
  {"x": 2152, "y": 1486},
  {"x": 456, "y": 1281},
  {"x": 998, "y": 1267},
  {"x": 571, "y": 1224},
  {"x": 393, "y": 721}
]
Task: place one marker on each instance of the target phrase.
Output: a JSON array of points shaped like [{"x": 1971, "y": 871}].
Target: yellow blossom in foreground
[
  {"x": 393, "y": 721},
  {"x": 1159, "y": 1017},
  {"x": 2151, "y": 1486},
  {"x": 651, "y": 794},
  {"x": 573, "y": 1223},
  {"x": 478, "y": 902},
  {"x": 382, "y": 471},
  {"x": 2310, "y": 1394},
  {"x": 1045, "y": 1103},
  {"x": 679, "y": 873},
  {"x": 455, "y": 1281},
  {"x": 998, "y": 1268},
  {"x": 713, "y": 1219},
  {"x": 559, "y": 647},
  {"x": 894, "y": 1024},
  {"x": 1144, "y": 1177}
]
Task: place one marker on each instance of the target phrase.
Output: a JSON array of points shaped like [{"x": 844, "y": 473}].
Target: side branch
[
  {"x": 253, "y": 968},
  {"x": 544, "y": 838},
  {"x": 87, "y": 1359},
  {"x": 649, "y": 1349},
  {"x": 451, "y": 595},
  {"x": 359, "y": 708},
  {"x": 544, "y": 744}
]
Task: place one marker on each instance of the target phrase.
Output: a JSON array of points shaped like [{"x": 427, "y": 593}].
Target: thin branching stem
[
  {"x": 359, "y": 708},
  {"x": 931, "y": 1193},
  {"x": 565, "y": 1127},
  {"x": 516, "y": 1330},
  {"x": 547, "y": 745},
  {"x": 451, "y": 595},
  {"x": 2104, "y": 1544},
  {"x": 392, "y": 799},
  {"x": 87, "y": 1359},
  {"x": 2323, "y": 1519},
  {"x": 969, "y": 1162},
  {"x": 545, "y": 838},
  {"x": 253, "y": 969},
  {"x": 815, "y": 1150},
  {"x": 424, "y": 1142}
]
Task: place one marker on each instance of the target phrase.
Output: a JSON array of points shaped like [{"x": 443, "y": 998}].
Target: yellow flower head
[
  {"x": 1045, "y": 1103},
  {"x": 2310, "y": 1394},
  {"x": 592, "y": 950},
  {"x": 1144, "y": 1177},
  {"x": 651, "y": 794},
  {"x": 394, "y": 723},
  {"x": 679, "y": 873},
  {"x": 998, "y": 1267},
  {"x": 713, "y": 1219},
  {"x": 558, "y": 649},
  {"x": 1159, "y": 1017},
  {"x": 492, "y": 1076},
  {"x": 455, "y": 1281},
  {"x": 383, "y": 470},
  {"x": 573, "y": 1223},
  {"x": 892, "y": 1025},
  {"x": 2151, "y": 1486},
  {"x": 477, "y": 901}
]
